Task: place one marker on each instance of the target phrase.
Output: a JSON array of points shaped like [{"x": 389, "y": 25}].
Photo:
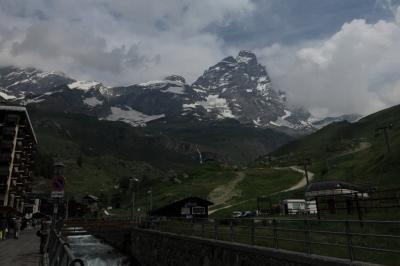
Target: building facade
[
  {"x": 191, "y": 207},
  {"x": 17, "y": 144}
]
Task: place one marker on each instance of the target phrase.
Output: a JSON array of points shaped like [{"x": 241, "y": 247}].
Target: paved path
[{"x": 21, "y": 252}]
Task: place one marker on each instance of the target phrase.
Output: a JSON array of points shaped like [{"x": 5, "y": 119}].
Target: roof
[
  {"x": 181, "y": 201},
  {"x": 13, "y": 108},
  {"x": 333, "y": 184},
  {"x": 294, "y": 200},
  {"x": 192, "y": 199}
]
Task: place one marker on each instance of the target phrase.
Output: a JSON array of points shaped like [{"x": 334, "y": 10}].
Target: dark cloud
[{"x": 121, "y": 42}]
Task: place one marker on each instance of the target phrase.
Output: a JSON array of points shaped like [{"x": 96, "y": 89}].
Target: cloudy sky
[{"x": 330, "y": 56}]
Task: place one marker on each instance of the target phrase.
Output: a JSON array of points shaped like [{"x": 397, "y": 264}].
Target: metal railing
[
  {"x": 59, "y": 252},
  {"x": 367, "y": 240}
]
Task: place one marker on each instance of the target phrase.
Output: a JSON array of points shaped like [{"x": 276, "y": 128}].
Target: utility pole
[
  {"x": 133, "y": 189},
  {"x": 306, "y": 162},
  {"x": 150, "y": 192},
  {"x": 386, "y": 134}
]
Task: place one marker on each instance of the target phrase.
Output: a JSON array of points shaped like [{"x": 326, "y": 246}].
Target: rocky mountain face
[
  {"x": 21, "y": 83},
  {"x": 236, "y": 88}
]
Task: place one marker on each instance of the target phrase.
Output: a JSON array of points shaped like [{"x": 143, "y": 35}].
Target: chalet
[
  {"x": 17, "y": 144},
  {"x": 190, "y": 207}
]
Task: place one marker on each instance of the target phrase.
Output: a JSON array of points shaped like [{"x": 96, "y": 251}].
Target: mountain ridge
[{"x": 234, "y": 88}]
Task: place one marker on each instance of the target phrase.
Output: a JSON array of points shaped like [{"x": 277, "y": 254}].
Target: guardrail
[
  {"x": 60, "y": 253},
  {"x": 367, "y": 240}
]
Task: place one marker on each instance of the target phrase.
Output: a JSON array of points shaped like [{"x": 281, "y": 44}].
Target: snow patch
[
  {"x": 243, "y": 59},
  {"x": 159, "y": 83},
  {"x": 175, "y": 89},
  {"x": 132, "y": 117},
  {"x": 83, "y": 85},
  {"x": 6, "y": 96},
  {"x": 92, "y": 101},
  {"x": 214, "y": 103}
]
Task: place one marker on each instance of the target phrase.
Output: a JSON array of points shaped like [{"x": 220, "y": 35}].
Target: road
[
  {"x": 21, "y": 252},
  {"x": 302, "y": 182}
]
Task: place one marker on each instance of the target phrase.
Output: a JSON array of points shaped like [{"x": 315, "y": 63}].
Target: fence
[
  {"x": 367, "y": 240},
  {"x": 60, "y": 253},
  {"x": 371, "y": 203}
]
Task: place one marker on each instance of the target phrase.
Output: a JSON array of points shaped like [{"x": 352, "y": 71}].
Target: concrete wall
[{"x": 154, "y": 248}]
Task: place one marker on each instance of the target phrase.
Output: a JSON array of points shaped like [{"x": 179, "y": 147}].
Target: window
[
  {"x": 198, "y": 210},
  {"x": 185, "y": 210}
]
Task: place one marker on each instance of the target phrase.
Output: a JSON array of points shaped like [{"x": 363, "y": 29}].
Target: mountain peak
[
  {"x": 246, "y": 57},
  {"x": 175, "y": 78}
]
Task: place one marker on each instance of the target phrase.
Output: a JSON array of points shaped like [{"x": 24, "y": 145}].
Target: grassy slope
[
  {"x": 233, "y": 141},
  {"x": 111, "y": 151},
  {"x": 204, "y": 178},
  {"x": 373, "y": 166}
]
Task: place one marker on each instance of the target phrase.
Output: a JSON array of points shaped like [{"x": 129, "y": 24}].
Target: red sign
[{"x": 58, "y": 183}]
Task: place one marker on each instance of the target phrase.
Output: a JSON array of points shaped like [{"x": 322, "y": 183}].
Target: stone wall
[{"x": 154, "y": 248}]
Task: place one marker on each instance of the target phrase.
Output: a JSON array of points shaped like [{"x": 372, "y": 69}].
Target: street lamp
[
  {"x": 150, "y": 192},
  {"x": 131, "y": 180}
]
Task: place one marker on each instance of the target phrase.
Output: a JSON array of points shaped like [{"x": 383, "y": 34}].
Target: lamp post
[
  {"x": 150, "y": 192},
  {"x": 133, "y": 190}
]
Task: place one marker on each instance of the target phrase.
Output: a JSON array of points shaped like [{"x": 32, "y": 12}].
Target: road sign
[
  {"x": 57, "y": 194},
  {"x": 58, "y": 183}
]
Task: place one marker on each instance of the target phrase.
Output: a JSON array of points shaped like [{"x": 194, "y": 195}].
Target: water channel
[{"x": 94, "y": 252}]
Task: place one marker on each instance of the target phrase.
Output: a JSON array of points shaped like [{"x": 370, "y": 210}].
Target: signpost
[{"x": 58, "y": 185}]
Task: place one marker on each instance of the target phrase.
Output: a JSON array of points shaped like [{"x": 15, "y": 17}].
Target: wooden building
[
  {"x": 191, "y": 207},
  {"x": 17, "y": 143}
]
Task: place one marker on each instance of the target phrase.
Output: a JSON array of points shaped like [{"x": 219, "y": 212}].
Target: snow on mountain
[
  {"x": 213, "y": 103},
  {"x": 5, "y": 96},
  {"x": 20, "y": 82},
  {"x": 83, "y": 85},
  {"x": 130, "y": 116},
  {"x": 240, "y": 88},
  {"x": 324, "y": 121},
  {"x": 236, "y": 87},
  {"x": 176, "y": 90},
  {"x": 92, "y": 101}
]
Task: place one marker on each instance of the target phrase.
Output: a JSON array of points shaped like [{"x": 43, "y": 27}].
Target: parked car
[
  {"x": 237, "y": 214},
  {"x": 248, "y": 214}
]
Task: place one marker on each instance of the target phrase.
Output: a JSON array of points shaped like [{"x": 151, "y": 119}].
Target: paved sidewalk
[{"x": 21, "y": 252}]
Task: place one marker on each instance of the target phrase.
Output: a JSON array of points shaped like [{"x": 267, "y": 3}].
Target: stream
[{"x": 95, "y": 252}]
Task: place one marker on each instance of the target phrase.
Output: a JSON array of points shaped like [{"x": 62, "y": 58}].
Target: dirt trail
[
  {"x": 223, "y": 193},
  {"x": 302, "y": 182}
]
